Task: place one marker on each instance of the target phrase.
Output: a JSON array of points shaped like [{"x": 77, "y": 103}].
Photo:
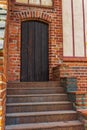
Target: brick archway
[
  {"x": 35, "y": 15},
  {"x": 24, "y": 15}
]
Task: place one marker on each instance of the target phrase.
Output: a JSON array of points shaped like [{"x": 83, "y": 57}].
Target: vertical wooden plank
[
  {"x": 31, "y": 51},
  {"x": 44, "y": 40},
  {"x": 38, "y": 50},
  {"x": 24, "y": 52}
]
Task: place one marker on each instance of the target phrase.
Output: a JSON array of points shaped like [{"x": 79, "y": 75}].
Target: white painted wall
[
  {"x": 73, "y": 22},
  {"x": 67, "y": 28},
  {"x": 85, "y": 8}
]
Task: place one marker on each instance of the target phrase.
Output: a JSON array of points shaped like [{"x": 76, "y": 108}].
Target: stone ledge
[
  {"x": 78, "y": 92},
  {"x": 83, "y": 112}
]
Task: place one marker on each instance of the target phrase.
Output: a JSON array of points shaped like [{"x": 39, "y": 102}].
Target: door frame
[{"x": 38, "y": 20}]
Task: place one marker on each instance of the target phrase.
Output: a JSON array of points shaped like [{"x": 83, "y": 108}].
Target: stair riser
[
  {"x": 65, "y": 128},
  {"x": 34, "y": 91},
  {"x": 34, "y": 84},
  {"x": 43, "y": 118},
  {"x": 37, "y": 108},
  {"x": 37, "y": 99},
  {"x": 80, "y": 127}
]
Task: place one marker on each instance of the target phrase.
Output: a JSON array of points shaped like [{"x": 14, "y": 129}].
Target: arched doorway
[{"x": 34, "y": 51}]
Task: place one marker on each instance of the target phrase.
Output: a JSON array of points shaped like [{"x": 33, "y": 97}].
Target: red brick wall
[
  {"x": 73, "y": 69},
  {"x": 53, "y": 16},
  {"x": 78, "y": 70}
]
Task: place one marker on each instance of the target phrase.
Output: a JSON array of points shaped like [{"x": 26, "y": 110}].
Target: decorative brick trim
[{"x": 24, "y": 15}]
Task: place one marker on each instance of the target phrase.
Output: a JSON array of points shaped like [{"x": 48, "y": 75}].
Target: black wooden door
[{"x": 34, "y": 51}]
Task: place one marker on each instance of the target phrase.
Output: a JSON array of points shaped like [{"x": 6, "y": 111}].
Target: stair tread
[
  {"x": 38, "y": 103},
  {"x": 33, "y": 84},
  {"x": 40, "y": 113},
  {"x": 43, "y": 82},
  {"x": 33, "y": 95},
  {"x": 37, "y": 87},
  {"x": 44, "y": 125}
]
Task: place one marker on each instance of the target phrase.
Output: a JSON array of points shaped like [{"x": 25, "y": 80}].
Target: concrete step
[
  {"x": 63, "y": 125},
  {"x": 37, "y": 117},
  {"x": 33, "y": 84},
  {"x": 36, "y": 98},
  {"x": 38, "y": 106},
  {"x": 35, "y": 90}
]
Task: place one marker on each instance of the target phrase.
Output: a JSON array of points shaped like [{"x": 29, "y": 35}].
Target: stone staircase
[{"x": 40, "y": 106}]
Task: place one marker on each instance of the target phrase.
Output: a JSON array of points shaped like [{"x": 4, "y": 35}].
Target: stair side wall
[{"x": 3, "y": 72}]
